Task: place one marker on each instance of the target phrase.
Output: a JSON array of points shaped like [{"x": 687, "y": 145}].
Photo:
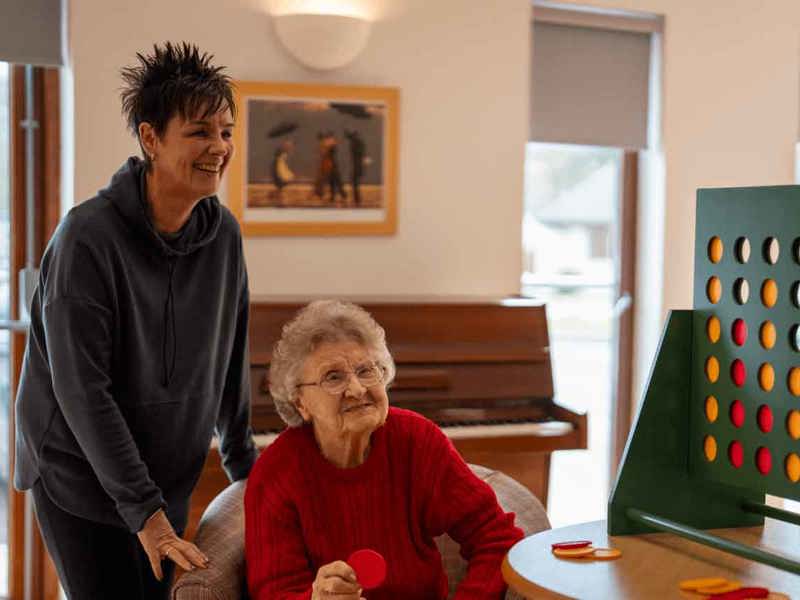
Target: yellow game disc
[
  {"x": 794, "y": 381},
  {"x": 793, "y": 467},
  {"x": 793, "y": 424},
  {"x": 573, "y": 552},
  {"x": 769, "y": 293},
  {"x": 715, "y": 250},
  {"x": 712, "y": 409},
  {"x": 710, "y": 448},
  {"x": 728, "y": 586},
  {"x": 692, "y": 585},
  {"x": 713, "y": 329},
  {"x": 714, "y": 289},
  {"x": 712, "y": 369},
  {"x": 767, "y": 335},
  {"x": 766, "y": 377},
  {"x": 606, "y": 554}
]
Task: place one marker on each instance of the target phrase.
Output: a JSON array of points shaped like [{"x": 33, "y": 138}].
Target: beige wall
[
  {"x": 730, "y": 112},
  {"x": 730, "y": 108},
  {"x": 462, "y": 68}
]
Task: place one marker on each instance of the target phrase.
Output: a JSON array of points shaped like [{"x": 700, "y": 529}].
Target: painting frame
[{"x": 239, "y": 179}]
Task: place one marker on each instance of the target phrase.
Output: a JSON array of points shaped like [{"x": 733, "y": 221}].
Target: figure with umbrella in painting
[
  {"x": 357, "y": 149},
  {"x": 328, "y": 173},
  {"x": 282, "y": 175}
]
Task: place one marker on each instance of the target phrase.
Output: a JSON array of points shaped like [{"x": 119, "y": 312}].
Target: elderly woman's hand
[
  {"x": 160, "y": 541},
  {"x": 336, "y": 579}
]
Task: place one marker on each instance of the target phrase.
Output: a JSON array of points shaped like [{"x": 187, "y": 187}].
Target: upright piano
[{"x": 479, "y": 367}]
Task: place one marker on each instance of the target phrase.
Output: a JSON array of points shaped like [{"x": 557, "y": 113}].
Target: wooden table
[{"x": 651, "y": 565}]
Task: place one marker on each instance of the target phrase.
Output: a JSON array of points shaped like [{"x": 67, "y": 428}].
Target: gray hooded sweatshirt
[{"x": 137, "y": 352}]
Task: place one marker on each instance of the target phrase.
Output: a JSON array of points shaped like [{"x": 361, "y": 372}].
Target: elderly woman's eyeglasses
[{"x": 335, "y": 381}]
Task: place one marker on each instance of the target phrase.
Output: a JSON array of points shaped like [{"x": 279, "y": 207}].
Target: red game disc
[
  {"x": 763, "y": 460},
  {"x": 736, "y": 454},
  {"x": 742, "y": 593},
  {"x": 739, "y": 332},
  {"x": 737, "y": 413},
  {"x": 370, "y": 568},
  {"x": 738, "y": 372},
  {"x": 572, "y": 545},
  {"x": 765, "y": 418}
]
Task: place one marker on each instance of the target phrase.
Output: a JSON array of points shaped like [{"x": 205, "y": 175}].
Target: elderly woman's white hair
[{"x": 319, "y": 322}]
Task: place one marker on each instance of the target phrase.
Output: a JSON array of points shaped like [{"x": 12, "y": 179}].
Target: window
[{"x": 570, "y": 234}]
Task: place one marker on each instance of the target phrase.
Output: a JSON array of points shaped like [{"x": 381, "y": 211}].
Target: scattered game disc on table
[
  {"x": 743, "y": 594},
  {"x": 692, "y": 585},
  {"x": 728, "y": 586},
  {"x": 606, "y": 554},
  {"x": 370, "y": 568},
  {"x": 574, "y": 552},
  {"x": 571, "y": 545}
]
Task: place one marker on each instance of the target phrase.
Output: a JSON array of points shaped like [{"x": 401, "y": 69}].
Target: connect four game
[{"x": 719, "y": 425}]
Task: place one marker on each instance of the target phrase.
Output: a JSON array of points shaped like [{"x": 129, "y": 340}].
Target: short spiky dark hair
[{"x": 177, "y": 79}]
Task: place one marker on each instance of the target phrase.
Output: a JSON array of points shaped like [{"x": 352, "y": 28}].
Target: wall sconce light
[{"x": 322, "y": 41}]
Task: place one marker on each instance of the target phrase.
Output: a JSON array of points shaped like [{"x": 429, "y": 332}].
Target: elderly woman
[
  {"x": 350, "y": 473},
  {"x": 137, "y": 345}
]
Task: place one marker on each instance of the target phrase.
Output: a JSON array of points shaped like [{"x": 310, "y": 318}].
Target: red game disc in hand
[{"x": 370, "y": 568}]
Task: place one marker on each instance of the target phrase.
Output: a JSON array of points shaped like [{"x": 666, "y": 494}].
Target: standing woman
[{"x": 137, "y": 350}]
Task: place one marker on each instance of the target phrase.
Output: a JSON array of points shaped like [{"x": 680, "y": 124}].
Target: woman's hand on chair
[
  {"x": 336, "y": 579},
  {"x": 160, "y": 541}
]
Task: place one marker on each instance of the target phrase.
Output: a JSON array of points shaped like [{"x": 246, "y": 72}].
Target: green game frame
[{"x": 664, "y": 482}]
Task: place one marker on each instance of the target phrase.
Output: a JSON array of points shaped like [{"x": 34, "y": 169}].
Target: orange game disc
[
  {"x": 794, "y": 381},
  {"x": 766, "y": 377},
  {"x": 793, "y": 424},
  {"x": 712, "y": 369},
  {"x": 715, "y": 250},
  {"x": 728, "y": 586},
  {"x": 767, "y": 335},
  {"x": 769, "y": 293},
  {"x": 574, "y": 552},
  {"x": 713, "y": 329},
  {"x": 793, "y": 467},
  {"x": 692, "y": 585},
  {"x": 606, "y": 554},
  {"x": 714, "y": 289},
  {"x": 712, "y": 409},
  {"x": 710, "y": 448}
]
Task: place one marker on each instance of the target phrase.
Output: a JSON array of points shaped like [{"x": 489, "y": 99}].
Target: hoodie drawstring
[{"x": 169, "y": 320}]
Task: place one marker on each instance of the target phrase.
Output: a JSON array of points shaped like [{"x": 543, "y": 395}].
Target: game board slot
[
  {"x": 795, "y": 293},
  {"x": 771, "y": 250},
  {"x": 741, "y": 291},
  {"x": 794, "y": 337},
  {"x": 742, "y": 250}
]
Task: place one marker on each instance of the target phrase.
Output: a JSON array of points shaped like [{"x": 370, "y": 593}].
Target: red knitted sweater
[{"x": 302, "y": 512}]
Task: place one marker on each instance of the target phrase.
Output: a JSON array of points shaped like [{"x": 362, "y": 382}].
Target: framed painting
[{"x": 314, "y": 159}]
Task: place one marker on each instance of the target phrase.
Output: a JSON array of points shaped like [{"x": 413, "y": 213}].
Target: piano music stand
[{"x": 720, "y": 421}]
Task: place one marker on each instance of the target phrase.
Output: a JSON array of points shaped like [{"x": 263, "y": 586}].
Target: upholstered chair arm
[{"x": 220, "y": 535}]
